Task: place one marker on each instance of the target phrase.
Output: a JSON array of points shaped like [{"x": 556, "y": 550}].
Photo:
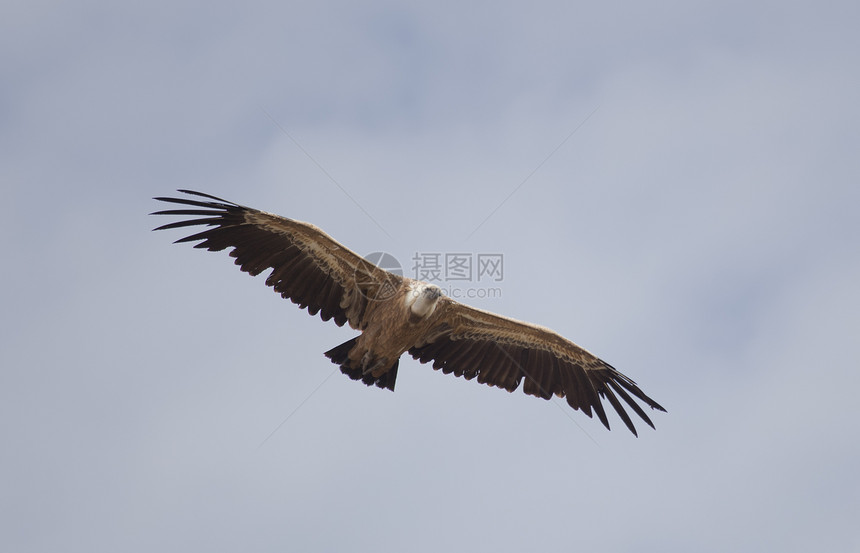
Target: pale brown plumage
[{"x": 398, "y": 314}]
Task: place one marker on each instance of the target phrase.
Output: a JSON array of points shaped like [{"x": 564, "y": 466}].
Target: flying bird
[{"x": 396, "y": 314}]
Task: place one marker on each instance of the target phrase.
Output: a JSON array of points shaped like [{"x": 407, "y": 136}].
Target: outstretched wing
[
  {"x": 308, "y": 266},
  {"x": 502, "y": 352}
]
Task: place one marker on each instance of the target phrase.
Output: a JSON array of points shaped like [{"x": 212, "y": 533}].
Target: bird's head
[{"x": 421, "y": 299}]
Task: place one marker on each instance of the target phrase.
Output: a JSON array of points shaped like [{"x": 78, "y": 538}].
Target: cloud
[{"x": 697, "y": 231}]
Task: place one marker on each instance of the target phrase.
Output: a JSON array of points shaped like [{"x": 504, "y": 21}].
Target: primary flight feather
[{"x": 396, "y": 314}]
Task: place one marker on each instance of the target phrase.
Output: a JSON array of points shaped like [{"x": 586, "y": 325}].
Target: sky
[{"x": 673, "y": 186}]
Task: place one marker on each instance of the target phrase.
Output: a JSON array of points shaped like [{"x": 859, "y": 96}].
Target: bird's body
[{"x": 396, "y": 314}]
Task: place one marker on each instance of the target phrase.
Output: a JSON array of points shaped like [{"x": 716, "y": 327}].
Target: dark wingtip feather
[
  {"x": 188, "y": 223},
  {"x": 613, "y": 400},
  {"x": 208, "y": 212},
  {"x": 631, "y": 387},
  {"x": 631, "y": 402},
  {"x": 204, "y": 195},
  {"x": 601, "y": 413}
]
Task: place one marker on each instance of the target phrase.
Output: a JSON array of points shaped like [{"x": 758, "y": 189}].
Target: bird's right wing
[{"x": 308, "y": 266}]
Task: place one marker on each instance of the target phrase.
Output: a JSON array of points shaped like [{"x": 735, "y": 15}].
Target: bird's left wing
[{"x": 502, "y": 352}]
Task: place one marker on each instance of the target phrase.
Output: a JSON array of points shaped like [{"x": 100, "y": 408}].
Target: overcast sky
[{"x": 673, "y": 186}]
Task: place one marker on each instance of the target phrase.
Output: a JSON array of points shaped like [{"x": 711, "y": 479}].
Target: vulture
[{"x": 396, "y": 314}]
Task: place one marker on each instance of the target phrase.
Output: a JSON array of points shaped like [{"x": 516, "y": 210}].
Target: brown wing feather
[
  {"x": 503, "y": 352},
  {"x": 308, "y": 266}
]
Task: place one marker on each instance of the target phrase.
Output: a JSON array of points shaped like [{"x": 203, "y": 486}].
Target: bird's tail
[{"x": 340, "y": 356}]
